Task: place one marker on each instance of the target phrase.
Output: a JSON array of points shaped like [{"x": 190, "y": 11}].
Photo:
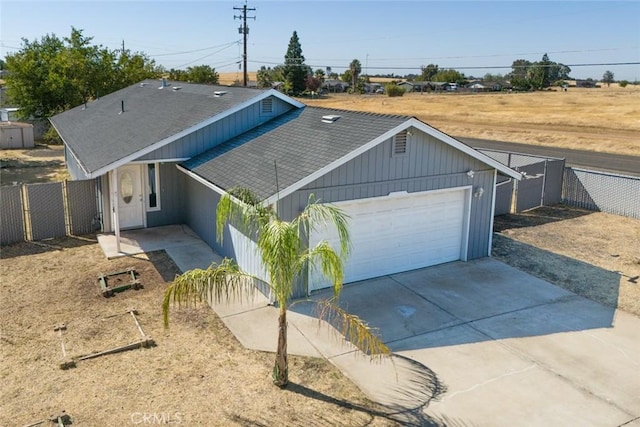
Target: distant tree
[
  {"x": 133, "y": 67},
  {"x": 356, "y": 68},
  {"x": 623, "y": 83},
  {"x": 347, "y": 76},
  {"x": 428, "y": 72},
  {"x": 392, "y": 89},
  {"x": 178, "y": 75},
  {"x": 493, "y": 77},
  {"x": 295, "y": 70},
  {"x": 203, "y": 74},
  {"x": 526, "y": 75},
  {"x": 313, "y": 83},
  {"x": 264, "y": 77},
  {"x": 50, "y": 75},
  {"x": 448, "y": 75},
  {"x": 319, "y": 74},
  {"x": 608, "y": 77},
  {"x": 2, "y": 64}
]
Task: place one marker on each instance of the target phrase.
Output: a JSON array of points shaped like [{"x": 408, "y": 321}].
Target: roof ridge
[{"x": 342, "y": 110}]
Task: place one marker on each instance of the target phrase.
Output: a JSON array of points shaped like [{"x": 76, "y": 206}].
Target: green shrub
[
  {"x": 623, "y": 83},
  {"x": 51, "y": 137},
  {"x": 393, "y": 89}
]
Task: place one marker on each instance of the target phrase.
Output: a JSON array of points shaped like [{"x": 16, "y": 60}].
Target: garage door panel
[{"x": 394, "y": 234}]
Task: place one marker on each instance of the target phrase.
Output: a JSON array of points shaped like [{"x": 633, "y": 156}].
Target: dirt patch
[
  {"x": 41, "y": 164},
  {"x": 593, "y": 254},
  {"x": 197, "y": 374}
]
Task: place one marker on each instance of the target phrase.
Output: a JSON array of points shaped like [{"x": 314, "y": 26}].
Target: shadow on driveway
[{"x": 493, "y": 300}]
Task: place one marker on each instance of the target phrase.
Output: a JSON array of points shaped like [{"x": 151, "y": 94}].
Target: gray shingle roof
[
  {"x": 100, "y": 134},
  {"x": 298, "y": 141}
]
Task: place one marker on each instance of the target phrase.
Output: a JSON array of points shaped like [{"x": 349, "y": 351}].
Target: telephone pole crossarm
[{"x": 244, "y": 30}]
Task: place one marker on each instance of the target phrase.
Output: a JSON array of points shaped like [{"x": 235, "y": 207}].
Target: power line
[
  {"x": 206, "y": 56},
  {"x": 196, "y": 50},
  {"x": 478, "y": 67}
]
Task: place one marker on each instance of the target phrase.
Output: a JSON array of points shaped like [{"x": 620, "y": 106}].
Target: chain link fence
[
  {"x": 32, "y": 212},
  {"x": 600, "y": 191}
]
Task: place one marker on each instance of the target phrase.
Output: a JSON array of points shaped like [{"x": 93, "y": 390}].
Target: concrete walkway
[
  {"x": 475, "y": 343},
  {"x": 184, "y": 246}
]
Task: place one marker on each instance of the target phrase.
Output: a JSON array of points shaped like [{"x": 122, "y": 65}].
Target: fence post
[{"x": 544, "y": 182}]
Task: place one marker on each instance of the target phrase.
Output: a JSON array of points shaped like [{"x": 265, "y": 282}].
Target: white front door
[{"x": 130, "y": 197}]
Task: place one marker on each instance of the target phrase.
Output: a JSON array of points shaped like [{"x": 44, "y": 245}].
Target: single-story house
[
  {"x": 165, "y": 154},
  {"x": 335, "y": 86}
]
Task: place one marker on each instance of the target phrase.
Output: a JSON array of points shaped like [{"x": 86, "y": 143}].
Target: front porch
[{"x": 182, "y": 245}]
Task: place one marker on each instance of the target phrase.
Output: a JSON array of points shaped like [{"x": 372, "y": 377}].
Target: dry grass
[
  {"x": 593, "y": 254},
  {"x": 604, "y": 119},
  {"x": 40, "y": 164},
  {"x": 198, "y": 372}
]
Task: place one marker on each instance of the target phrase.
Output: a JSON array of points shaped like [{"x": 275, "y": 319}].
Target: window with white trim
[
  {"x": 153, "y": 187},
  {"x": 400, "y": 143}
]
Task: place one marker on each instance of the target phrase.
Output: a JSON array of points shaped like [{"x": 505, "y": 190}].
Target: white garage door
[{"x": 398, "y": 233}]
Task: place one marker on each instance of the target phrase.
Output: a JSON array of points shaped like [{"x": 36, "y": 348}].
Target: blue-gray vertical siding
[
  {"x": 200, "y": 203},
  {"x": 171, "y": 197},
  {"x": 73, "y": 166},
  {"x": 428, "y": 165},
  {"x": 218, "y": 132}
]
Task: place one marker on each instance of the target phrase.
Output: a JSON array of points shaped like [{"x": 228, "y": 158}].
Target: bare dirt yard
[
  {"x": 44, "y": 163},
  {"x": 196, "y": 374},
  {"x": 593, "y": 254}
]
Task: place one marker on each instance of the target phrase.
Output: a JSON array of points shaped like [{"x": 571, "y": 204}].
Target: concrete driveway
[{"x": 495, "y": 347}]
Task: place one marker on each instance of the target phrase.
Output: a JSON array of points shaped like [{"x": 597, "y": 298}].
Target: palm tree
[
  {"x": 356, "y": 68},
  {"x": 285, "y": 258}
]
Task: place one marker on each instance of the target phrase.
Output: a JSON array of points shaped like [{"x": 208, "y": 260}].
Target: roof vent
[
  {"x": 330, "y": 118},
  {"x": 219, "y": 93},
  {"x": 164, "y": 83},
  {"x": 143, "y": 84},
  {"x": 176, "y": 87}
]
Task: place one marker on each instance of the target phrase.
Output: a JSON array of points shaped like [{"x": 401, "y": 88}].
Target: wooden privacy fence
[{"x": 41, "y": 211}]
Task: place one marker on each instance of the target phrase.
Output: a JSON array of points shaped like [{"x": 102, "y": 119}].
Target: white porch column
[{"x": 114, "y": 206}]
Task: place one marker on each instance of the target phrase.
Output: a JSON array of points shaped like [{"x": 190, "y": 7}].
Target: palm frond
[
  {"x": 324, "y": 258},
  {"x": 354, "y": 329},
  {"x": 222, "y": 282},
  {"x": 317, "y": 215},
  {"x": 241, "y": 208}
]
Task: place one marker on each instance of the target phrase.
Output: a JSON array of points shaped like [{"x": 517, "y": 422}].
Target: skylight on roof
[{"x": 330, "y": 118}]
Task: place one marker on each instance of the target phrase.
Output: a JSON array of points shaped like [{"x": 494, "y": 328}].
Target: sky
[{"x": 474, "y": 37}]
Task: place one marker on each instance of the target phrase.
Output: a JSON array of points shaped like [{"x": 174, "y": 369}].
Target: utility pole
[{"x": 244, "y": 30}]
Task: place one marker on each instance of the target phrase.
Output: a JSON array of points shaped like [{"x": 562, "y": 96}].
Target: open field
[{"x": 604, "y": 119}]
